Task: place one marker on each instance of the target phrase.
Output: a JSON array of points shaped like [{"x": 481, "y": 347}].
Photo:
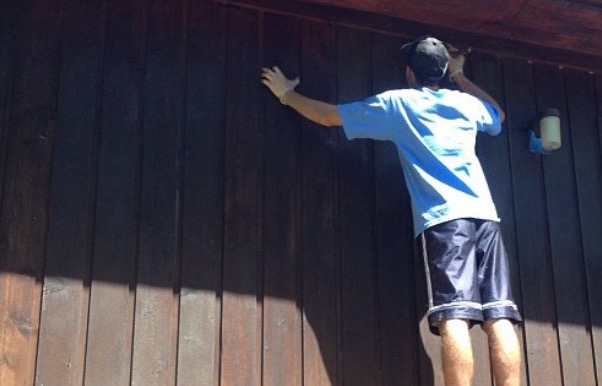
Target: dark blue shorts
[{"x": 467, "y": 273}]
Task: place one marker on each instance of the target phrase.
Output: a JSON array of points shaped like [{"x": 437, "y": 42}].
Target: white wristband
[{"x": 281, "y": 96}]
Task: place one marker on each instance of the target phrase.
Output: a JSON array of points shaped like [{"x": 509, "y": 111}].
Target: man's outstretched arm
[
  {"x": 322, "y": 113},
  {"x": 456, "y": 65}
]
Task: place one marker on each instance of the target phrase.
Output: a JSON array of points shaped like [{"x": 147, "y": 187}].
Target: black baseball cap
[{"x": 427, "y": 57}]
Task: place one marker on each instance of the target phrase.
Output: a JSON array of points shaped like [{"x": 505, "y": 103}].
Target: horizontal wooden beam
[{"x": 569, "y": 49}]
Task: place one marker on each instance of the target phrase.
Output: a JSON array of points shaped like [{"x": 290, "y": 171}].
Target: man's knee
[
  {"x": 453, "y": 325},
  {"x": 499, "y": 327},
  {"x": 455, "y": 332}
]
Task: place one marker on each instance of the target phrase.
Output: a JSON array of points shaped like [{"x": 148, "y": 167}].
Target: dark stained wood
[
  {"x": 155, "y": 331},
  {"x": 429, "y": 349},
  {"x": 532, "y": 234},
  {"x": 111, "y": 315},
  {"x": 356, "y": 197},
  {"x": 320, "y": 300},
  {"x": 203, "y": 198},
  {"x": 282, "y": 315},
  {"x": 480, "y": 348},
  {"x": 570, "y": 286},
  {"x": 393, "y": 23},
  {"x": 584, "y": 120},
  {"x": 213, "y": 236},
  {"x": 62, "y": 341},
  {"x": 574, "y": 27},
  {"x": 26, "y": 189},
  {"x": 494, "y": 154},
  {"x": 397, "y": 324},
  {"x": 591, "y": 250},
  {"x": 242, "y": 275},
  {"x": 8, "y": 23}
]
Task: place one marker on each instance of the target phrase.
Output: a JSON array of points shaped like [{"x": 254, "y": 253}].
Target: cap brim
[{"x": 406, "y": 49}]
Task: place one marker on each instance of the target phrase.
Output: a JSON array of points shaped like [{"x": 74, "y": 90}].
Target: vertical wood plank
[
  {"x": 111, "y": 316},
  {"x": 532, "y": 229},
  {"x": 356, "y": 190},
  {"x": 8, "y": 17},
  {"x": 593, "y": 260},
  {"x": 282, "y": 350},
  {"x": 585, "y": 129},
  {"x": 398, "y": 321},
  {"x": 203, "y": 198},
  {"x": 156, "y": 316},
  {"x": 494, "y": 154},
  {"x": 242, "y": 299},
  {"x": 62, "y": 341},
  {"x": 26, "y": 187},
  {"x": 320, "y": 279},
  {"x": 429, "y": 351},
  {"x": 568, "y": 263}
]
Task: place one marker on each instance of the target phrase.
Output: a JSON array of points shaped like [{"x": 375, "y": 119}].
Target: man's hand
[
  {"x": 456, "y": 62},
  {"x": 275, "y": 80}
]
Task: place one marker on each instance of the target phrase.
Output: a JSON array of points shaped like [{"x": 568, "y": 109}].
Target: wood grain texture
[
  {"x": 397, "y": 332},
  {"x": 573, "y": 26},
  {"x": 203, "y": 198},
  {"x": 583, "y": 117},
  {"x": 111, "y": 316},
  {"x": 26, "y": 189},
  {"x": 282, "y": 321},
  {"x": 8, "y": 17},
  {"x": 570, "y": 285},
  {"x": 494, "y": 154},
  {"x": 157, "y": 307},
  {"x": 155, "y": 190},
  {"x": 356, "y": 198},
  {"x": 497, "y": 41},
  {"x": 62, "y": 341},
  {"x": 593, "y": 262},
  {"x": 321, "y": 300},
  {"x": 242, "y": 306},
  {"x": 533, "y": 242}
]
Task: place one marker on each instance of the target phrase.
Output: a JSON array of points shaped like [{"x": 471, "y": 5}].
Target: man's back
[{"x": 435, "y": 133}]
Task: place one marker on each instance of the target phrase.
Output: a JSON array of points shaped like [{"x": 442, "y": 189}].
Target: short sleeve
[
  {"x": 488, "y": 118},
  {"x": 370, "y": 118}
]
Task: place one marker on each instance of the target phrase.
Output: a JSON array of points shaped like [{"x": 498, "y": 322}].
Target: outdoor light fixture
[{"x": 549, "y": 129}]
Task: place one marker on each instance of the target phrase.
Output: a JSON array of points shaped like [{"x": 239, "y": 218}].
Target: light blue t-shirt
[{"x": 435, "y": 134}]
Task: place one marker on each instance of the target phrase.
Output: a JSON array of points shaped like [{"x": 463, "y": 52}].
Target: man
[{"x": 455, "y": 220}]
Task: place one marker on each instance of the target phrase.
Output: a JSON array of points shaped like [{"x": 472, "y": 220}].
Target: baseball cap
[{"x": 427, "y": 57}]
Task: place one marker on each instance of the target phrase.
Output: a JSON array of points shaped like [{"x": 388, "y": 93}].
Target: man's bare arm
[
  {"x": 323, "y": 113},
  {"x": 468, "y": 87},
  {"x": 455, "y": 69}
]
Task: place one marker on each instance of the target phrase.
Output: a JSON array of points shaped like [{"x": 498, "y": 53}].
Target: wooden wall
[{"x": 166, "y": 221}]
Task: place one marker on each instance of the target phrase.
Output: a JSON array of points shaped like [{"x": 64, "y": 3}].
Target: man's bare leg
[
  {"x": 456, "y": 353},
  {"x": 505, "y": 351}
]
